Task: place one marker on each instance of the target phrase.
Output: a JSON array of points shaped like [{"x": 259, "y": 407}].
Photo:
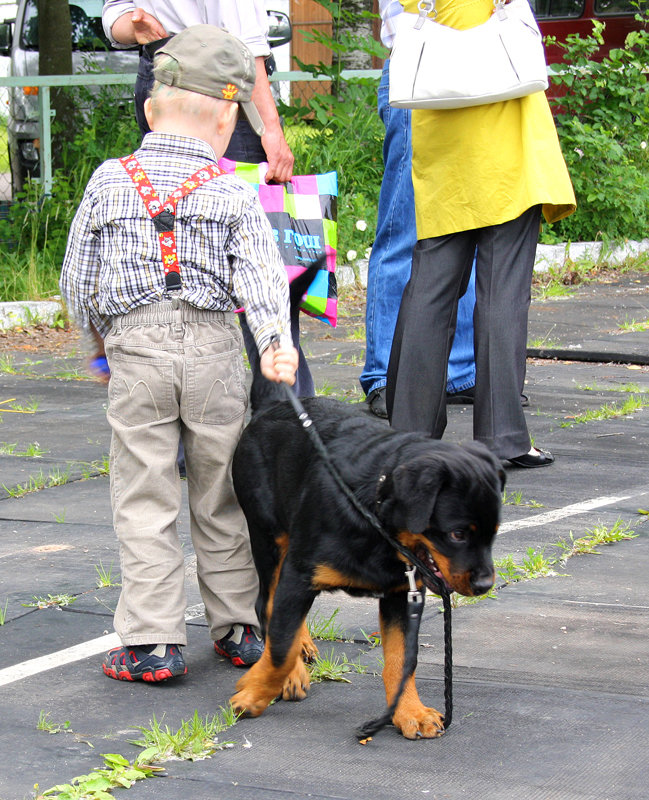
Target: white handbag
[{"x": 434, "y": 66}]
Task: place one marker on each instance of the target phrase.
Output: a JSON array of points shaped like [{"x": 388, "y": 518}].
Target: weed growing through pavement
[
  {"x": 55, "y": 477},
  {"x": 330, "y": 667},
  {"x": 44, "y": 724},
  {"x": 629, "y": 388},
  {"x": 105, "y": 576},
  {"x": 516, "y": 499},
  {"x": 631, "y": 326},
  {"x": 373, "y": 639},
  {"x": 196, "y": 738},
  {"x": 325, "y": 628},
  {"x": 33, "y": 450},
  {"x": 325, "y": 390},
  {"x": 356, "y": 335},
  {"x": 7, "y": 365},
  {"x": 50, "y": 601},
  {"x": 117, "y": 772},
  {"x": 609, "y": 411},
  {"x": 3, "y": 612},
  {"x": 596, "y": 537}
]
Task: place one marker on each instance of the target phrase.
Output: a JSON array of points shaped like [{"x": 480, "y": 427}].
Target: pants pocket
[
  {"x": 215, "y": 388},
  {"x": 141, "y": 390}
]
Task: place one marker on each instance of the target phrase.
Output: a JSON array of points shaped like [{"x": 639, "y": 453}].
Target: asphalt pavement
[{"x": 551, "y": 675}]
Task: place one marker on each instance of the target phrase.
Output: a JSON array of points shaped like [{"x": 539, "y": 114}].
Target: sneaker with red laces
[
  {"x": 241, "y": 644},
  {"x": 152, "y": 663}
]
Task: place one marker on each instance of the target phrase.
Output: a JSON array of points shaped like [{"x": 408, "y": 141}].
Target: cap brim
[{"x": 250, "y": 110}]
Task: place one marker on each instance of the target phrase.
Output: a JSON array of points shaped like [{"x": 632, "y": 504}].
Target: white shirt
[
  {"x": 389, "y": 9},
  {"x": 245, "y": 19}
]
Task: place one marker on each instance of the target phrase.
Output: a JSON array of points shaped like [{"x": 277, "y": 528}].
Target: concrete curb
[{"x": 548, "y": 256}]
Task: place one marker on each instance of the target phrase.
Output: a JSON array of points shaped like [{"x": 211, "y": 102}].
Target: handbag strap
[{"x": 164, "y": 214}]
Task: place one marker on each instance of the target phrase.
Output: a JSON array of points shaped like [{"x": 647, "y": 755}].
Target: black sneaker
[
  {"x": 241, "y": 645},
  {"x": 152, "y": 663}
]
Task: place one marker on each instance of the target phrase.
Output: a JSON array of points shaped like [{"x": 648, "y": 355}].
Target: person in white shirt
[{"x": 151, "y": 22}]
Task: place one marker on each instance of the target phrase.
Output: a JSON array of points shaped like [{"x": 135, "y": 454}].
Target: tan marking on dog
[
  {"x": 458, "y": 581},
  {"x": 325, "y": 577},
  {"x": 411, "y": 716}
]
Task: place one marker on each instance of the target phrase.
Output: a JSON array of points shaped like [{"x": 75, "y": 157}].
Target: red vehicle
[{"x": 562, "y": 17}]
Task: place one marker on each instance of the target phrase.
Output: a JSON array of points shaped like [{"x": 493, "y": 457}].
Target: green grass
[
  {"x": 330, "y": 667},
  {"x": 195, "y": 739},
  {"x": 50, "y": 601},
  {"x": 631, "y": 326},
  {"x": 609, "y": 411},
  {"x": 325, "y": 628},
  {"x": 596, "y": 537}
]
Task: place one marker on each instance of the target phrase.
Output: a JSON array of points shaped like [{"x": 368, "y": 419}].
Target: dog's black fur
[{"x": 441, "y": 500}]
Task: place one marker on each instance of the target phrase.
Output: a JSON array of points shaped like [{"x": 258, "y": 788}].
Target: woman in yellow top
[{"x": 482, "y": 176}]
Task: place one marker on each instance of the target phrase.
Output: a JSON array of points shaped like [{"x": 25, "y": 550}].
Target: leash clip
[{"x": 414, "y": 595}]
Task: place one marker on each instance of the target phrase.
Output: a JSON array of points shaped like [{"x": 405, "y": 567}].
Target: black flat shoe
[
  {"x": 529, "y": 460},
  {"x": 376, "y": 402}
]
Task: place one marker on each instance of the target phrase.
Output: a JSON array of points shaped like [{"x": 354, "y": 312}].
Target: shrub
[{"x": 602, "y": 115}]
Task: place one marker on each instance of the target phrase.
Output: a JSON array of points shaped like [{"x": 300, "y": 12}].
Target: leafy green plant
[
  {"x": 105, "y": 576},
  {"x": 330, "y": 667},
  {"x": 596, "y": 537},
  {"x": 609, "y": 411},
  {"x": 44, "y": 724},
  {"x": 195, "y": 739},
  {"x": 118, "y": 772},
  {"x": 325, "y": 628},
  {"x": 602, "y": 115},
  {"x": 51, "y": 600}
]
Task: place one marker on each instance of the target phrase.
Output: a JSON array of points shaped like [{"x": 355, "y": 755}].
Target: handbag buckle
[{"x": 425, "y": 7}]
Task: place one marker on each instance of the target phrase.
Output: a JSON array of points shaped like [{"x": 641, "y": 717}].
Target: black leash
[{"x": 415, "y": 596}]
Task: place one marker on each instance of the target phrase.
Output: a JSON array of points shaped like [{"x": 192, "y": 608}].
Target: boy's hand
[{"x": 278, "y": 364}]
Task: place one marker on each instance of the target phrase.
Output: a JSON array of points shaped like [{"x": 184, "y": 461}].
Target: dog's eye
[{"x": 457, "y": 536}]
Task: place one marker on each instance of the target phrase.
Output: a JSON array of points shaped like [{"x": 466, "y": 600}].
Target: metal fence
[{"x": 288, "y": 86}]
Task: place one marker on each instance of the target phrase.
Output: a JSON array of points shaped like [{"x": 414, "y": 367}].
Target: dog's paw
[
  {"x": 296, "y": 685},
  {"x": 416, "y": 722},
  {"x": 309, "y": 650},
  {"x": 249, "y": 704}
]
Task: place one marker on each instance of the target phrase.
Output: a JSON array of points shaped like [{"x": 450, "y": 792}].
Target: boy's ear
[
  {"x": 227, "y": 116},
  {"x": 148, "y": 113}
]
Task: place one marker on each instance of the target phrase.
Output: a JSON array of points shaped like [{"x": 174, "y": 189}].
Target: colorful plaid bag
[{"x": 302, "y": 214}]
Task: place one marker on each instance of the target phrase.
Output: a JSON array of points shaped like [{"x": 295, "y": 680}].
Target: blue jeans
[{"x": 391, "y": 258}]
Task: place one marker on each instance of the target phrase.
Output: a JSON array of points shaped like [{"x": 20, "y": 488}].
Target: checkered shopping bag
[{"x": 302, "y": 214}]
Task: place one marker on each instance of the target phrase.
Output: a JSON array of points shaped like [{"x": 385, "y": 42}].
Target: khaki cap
[{"x": 211, "y": 61}]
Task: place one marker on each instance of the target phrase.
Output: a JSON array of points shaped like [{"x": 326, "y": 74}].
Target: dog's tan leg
[{"x": 411, "y": 716}]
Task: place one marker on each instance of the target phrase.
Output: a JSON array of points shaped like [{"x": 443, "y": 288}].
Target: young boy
[{"x": 154, "y": 268}]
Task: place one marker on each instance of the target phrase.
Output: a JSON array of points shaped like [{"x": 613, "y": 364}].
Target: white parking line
[{"x": 567, "y": 511}]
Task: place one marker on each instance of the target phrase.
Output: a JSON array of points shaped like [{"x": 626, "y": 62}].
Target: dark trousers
[
  {"x": 245, "y": 146},
  {"x": 441, "y": 266}
]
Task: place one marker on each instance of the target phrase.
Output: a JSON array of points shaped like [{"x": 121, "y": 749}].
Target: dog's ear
[
  {"x": 488, "y": 460},
  {"x": 409, "y": 494}
]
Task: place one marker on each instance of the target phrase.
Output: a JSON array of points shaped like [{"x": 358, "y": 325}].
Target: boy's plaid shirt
[{"x": 226, "y": 247}]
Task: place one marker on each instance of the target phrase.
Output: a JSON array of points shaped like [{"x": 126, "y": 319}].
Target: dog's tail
[{"x": 264, "y": 392}]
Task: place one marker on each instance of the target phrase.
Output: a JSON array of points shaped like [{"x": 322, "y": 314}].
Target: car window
[
  {"x": 548, "y": 9},
  {"x": 85, "y": 16},
  {"x": 605, "y": 8}
]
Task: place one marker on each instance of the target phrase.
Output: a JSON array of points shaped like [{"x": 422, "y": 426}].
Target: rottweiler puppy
[{"x": 440, "y": 500}]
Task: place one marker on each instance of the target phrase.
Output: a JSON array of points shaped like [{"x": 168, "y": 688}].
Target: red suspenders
[{"x": 163, "y": 215}]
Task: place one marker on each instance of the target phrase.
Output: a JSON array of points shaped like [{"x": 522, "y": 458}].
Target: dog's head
[{"x": 444, "y": 504}]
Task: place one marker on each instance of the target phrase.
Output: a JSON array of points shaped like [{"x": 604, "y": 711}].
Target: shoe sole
[{"x": 150, "y": 676}]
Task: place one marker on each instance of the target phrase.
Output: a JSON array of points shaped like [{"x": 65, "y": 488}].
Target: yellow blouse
[{"x": 485, "y": 165}]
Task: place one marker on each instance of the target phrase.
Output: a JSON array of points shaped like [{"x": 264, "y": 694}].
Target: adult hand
[
  {"x": 278, "y": 364},
  {"x": 279, "y": 155},
  {"x": 146, "y": 27},
  {"x": 138, "y": 27}
]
